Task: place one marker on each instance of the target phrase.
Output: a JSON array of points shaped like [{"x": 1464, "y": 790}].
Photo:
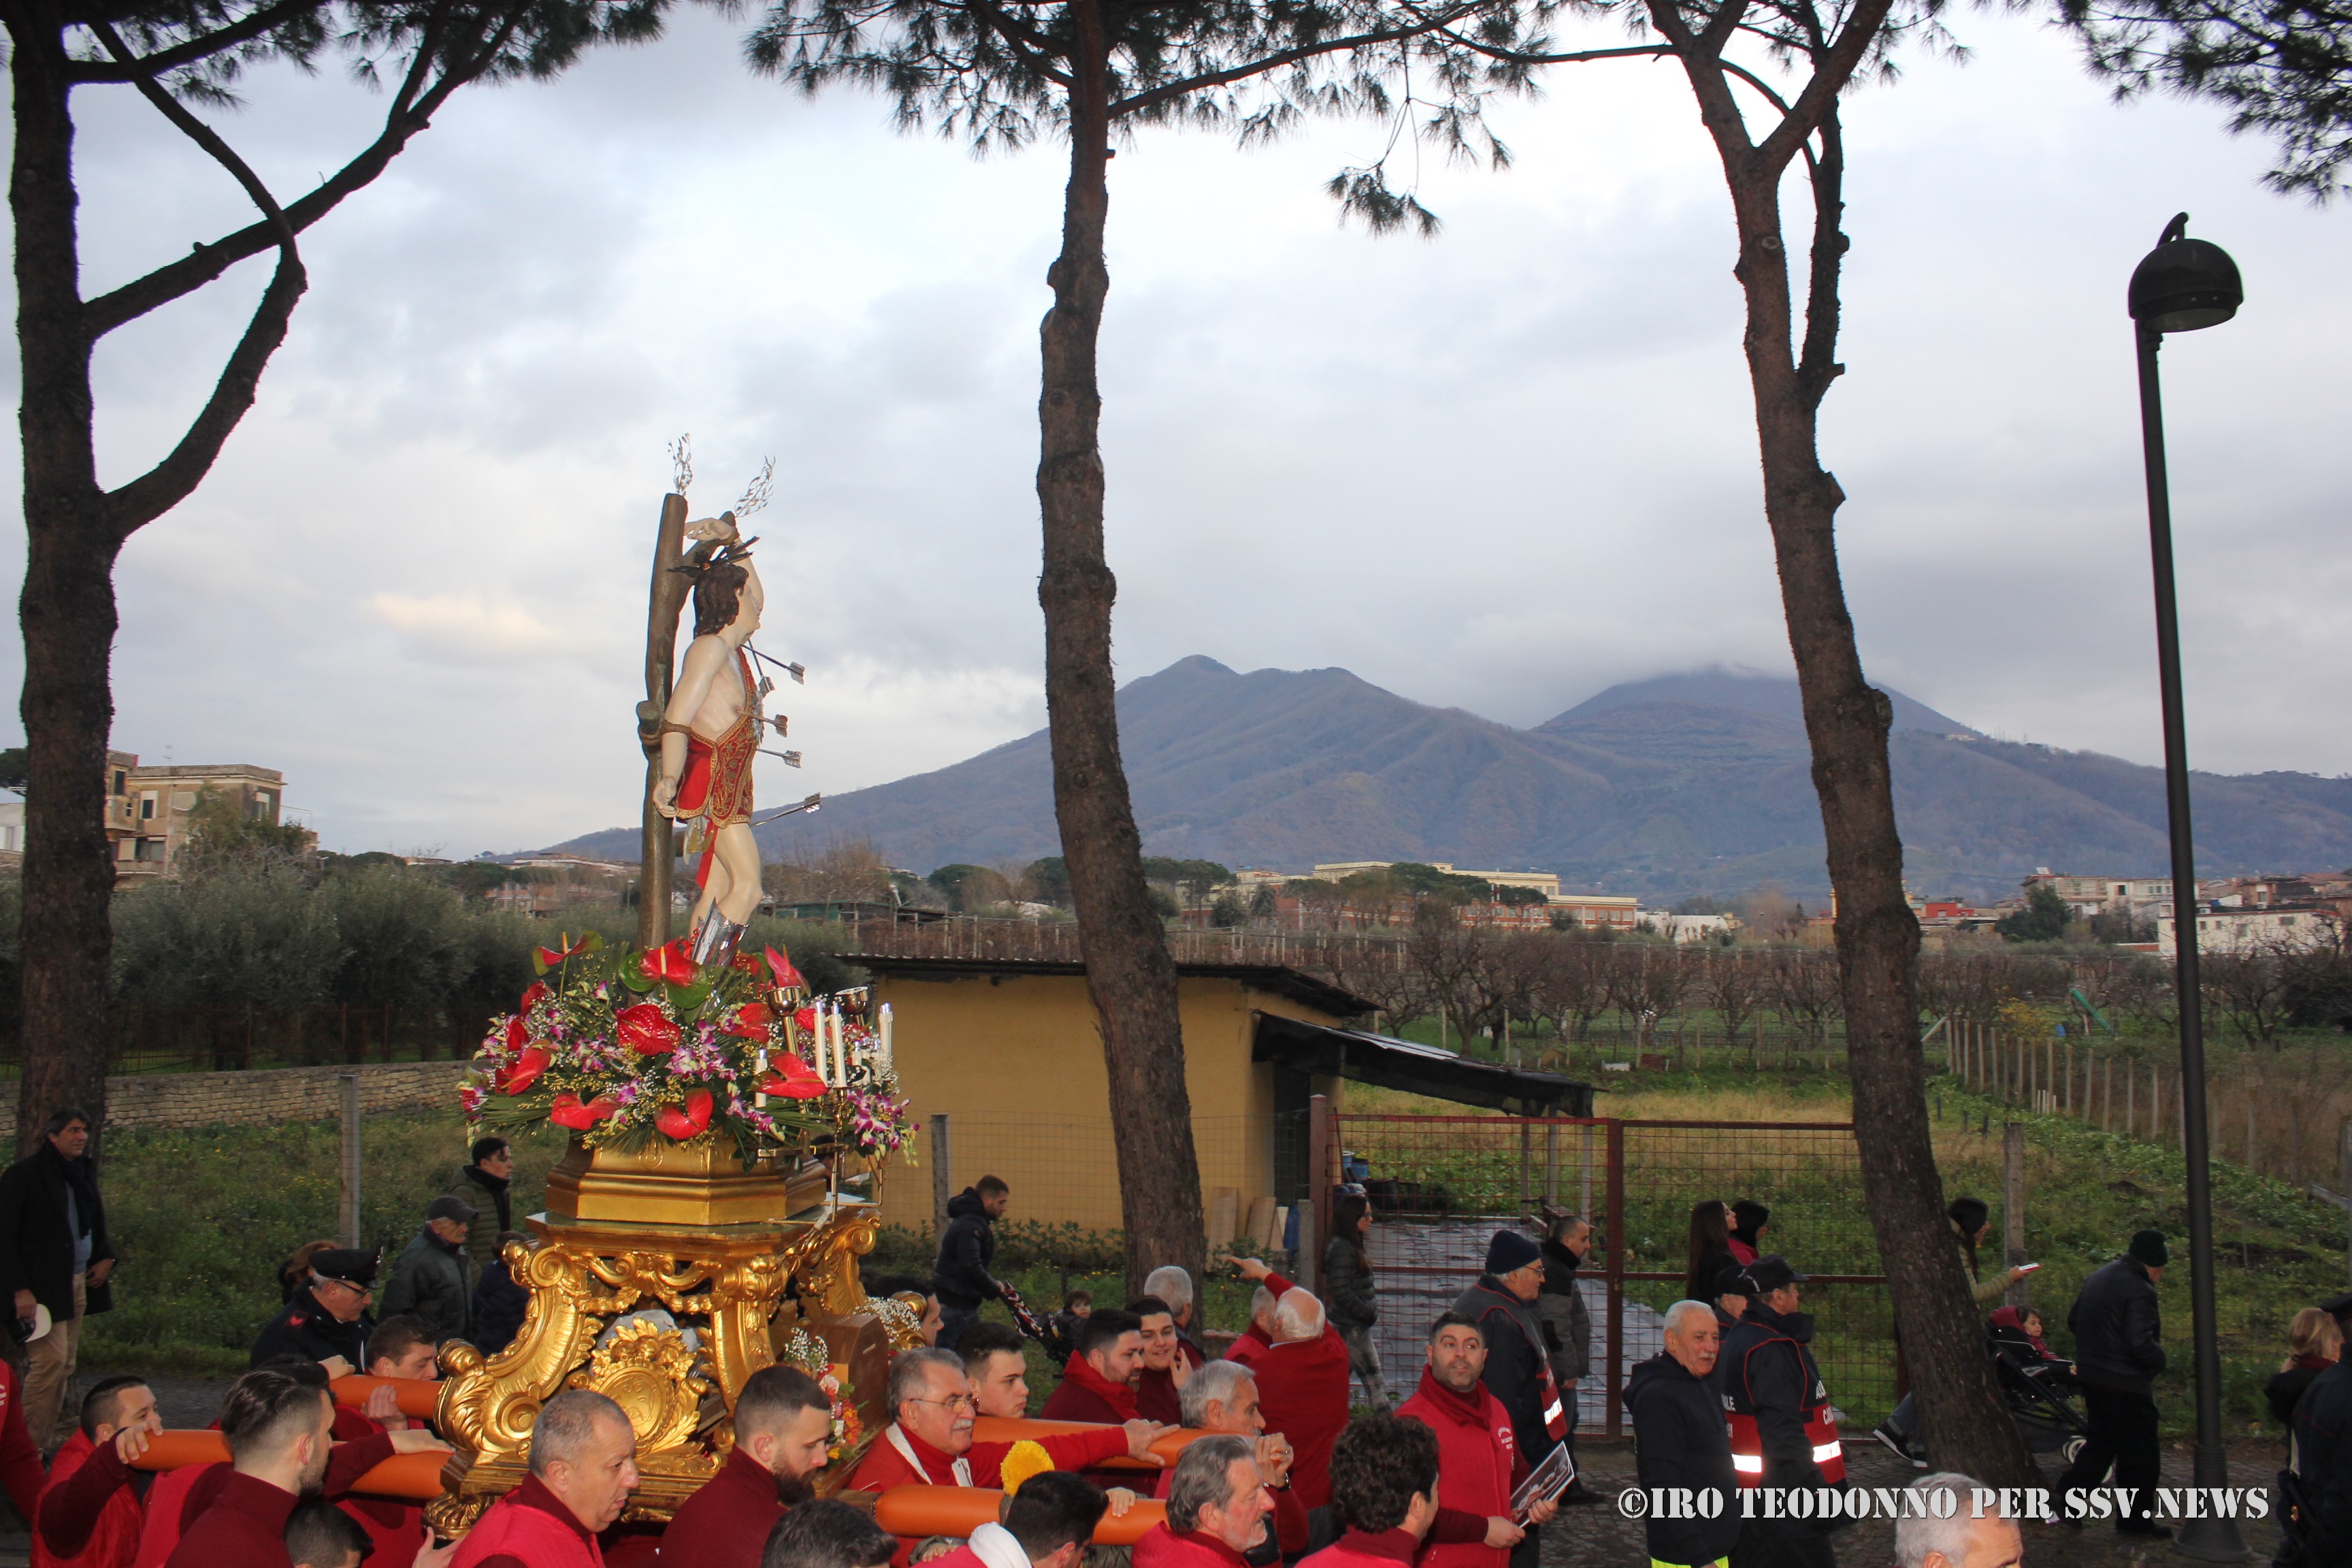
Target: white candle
[
  {"x": 886, "y": 1037},
  {"x": 760, "y": 1100},
  {"x": 816, "y": 1044},
  {"x": 840, "y": 1050}
]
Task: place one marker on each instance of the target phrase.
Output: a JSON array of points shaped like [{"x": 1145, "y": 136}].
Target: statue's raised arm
[{"x": 710, "y": 733}]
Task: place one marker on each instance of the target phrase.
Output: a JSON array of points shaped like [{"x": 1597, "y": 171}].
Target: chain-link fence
[{"x": 1439, "y": 1186}]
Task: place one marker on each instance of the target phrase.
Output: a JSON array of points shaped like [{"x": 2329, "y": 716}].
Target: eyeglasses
[{"x": 953, "y": 1402}]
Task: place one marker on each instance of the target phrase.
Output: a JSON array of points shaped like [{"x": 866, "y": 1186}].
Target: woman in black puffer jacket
[{"x": 1347, "y": 1292}]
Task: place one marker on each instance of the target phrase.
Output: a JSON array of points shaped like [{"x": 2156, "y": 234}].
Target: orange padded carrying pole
[
  {"x": 1168, "y": 1446},
  {"x": 410, "y": 1477},
  {"x": 914, "y": 1512},
  {"x": 419, "y": 1396}
]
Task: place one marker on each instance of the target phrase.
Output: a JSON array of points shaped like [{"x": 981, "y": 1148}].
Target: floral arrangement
[
  {"x": 849, "y": 1437},
  {"x": 622, "y": 1046}
]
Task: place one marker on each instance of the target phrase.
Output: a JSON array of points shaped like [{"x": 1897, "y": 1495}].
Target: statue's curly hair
[{"x": 718, "y": 578}]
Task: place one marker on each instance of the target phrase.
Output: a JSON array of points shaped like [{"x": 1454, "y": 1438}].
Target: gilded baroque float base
[{"x": 726, "y": 1282}]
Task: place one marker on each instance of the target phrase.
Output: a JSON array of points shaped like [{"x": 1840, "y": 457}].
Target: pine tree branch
[
  {"x": 251, "y": 26},
  {"x": 410, "y": 113},
  {"x": 1159, "y": 95},
  {"x": 172, "y": 480}
]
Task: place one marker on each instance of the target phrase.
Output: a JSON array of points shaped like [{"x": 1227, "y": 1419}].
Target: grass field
[{"x": 202, "y": 1219}]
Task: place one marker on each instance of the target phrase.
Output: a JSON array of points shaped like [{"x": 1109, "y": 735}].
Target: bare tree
[
  {"x": 180, "y": 57},
  {"x": 1735, "y": 983}
]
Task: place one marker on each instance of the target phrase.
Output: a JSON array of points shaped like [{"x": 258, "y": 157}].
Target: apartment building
[{"x": 150, "y": 811}]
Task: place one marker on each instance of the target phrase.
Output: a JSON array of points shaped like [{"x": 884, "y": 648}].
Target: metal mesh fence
[{"x": 1439, "y": 1186}]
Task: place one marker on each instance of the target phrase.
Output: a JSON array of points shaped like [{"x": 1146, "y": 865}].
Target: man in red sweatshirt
[
  {"x": 1098, "y": 1383},
  {"x": 1163, "y": 1368},
  {"x": 583, "y": 1465},
  {"x": 91, "y": 1513},
  {"x": 1478, "y": 1454},
  {"x": 783, "y": 1430},
  {"x": 1384, "y": 1491},
  {"x": 929, "y": 1441},
  {"x": 1217, "y": 1508},
  {"x": 276, "y": 1428},
  {"x": 1302, "y": 1380}
]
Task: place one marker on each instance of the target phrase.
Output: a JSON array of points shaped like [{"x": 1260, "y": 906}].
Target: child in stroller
[
  {"x": 2033, "y": 1380},
  {"x": 2036, "y": 1382}
]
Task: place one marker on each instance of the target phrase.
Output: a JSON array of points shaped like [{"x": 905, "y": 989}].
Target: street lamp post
[{"x": 2180, "y": 286}]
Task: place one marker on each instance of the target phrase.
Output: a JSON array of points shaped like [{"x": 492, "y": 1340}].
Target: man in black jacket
[
  {"x": 2118, "y": 1350},
  {"x": 54, "y": 1253},
  {"x": 1519, "y": 1373},
  {"x": 961, "y": 1280},
  {"x": 329, "y": 1316},
  {"x": 482, "y": 1187},
  {"x": 1780, "y": 1417},
  {"x": 432, "y": 1282},
  {"x": 1680, "y": 1441}
]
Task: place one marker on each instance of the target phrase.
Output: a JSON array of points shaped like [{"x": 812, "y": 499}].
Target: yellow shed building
[{"x": 1009, "y": 1051}]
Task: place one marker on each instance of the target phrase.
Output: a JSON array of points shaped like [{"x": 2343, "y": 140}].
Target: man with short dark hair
[
  {"x": 1049, "y": 1523},
  {"x": 54, "y": 1253},
  {"x": 1476, "y": 1448},
  {"x": 961, "y": 1280},
  {"x": 320, "y": 1535},
  {"x": 1217, "y": 1508},
  {"x": 91, "y": 1513},
  {"x": 828, "y": 1535},
  {"x": 929, "y": 1440},
  {"x": 583, "y": 1465},
  {"x": 783, "y": 1433},
  {"x": 998, "y": 1365},
  {"x": 1519, "y": 1369},
  {"x": 276, "y": 1428},
  {"x": 328, "y": 1318},
  {"x": 1680, "y": 1440},
  {"x": 1161, "y": 1375},
  {"x": 433, "y": 1280},
  {"x": 482, "y": 1187},
  {"x": 1384, "y": 1492},
  {"x": 1172, "y": 1283},
  {"x": 1098, "y": 1383},
  {"x": 402, "y": 1347},
  {"x": 2118, "y": 1350}
]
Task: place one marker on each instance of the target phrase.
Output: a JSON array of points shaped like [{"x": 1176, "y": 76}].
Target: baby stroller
[{"x": 2035, "y": 1384}]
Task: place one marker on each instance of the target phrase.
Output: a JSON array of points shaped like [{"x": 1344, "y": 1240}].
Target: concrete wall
[
  {"x": 1016, "y": 1064},
  {"x": 258, "y": 1099}
]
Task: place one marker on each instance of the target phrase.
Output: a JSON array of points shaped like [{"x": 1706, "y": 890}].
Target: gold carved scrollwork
[
  {"x": 730, "y": 1280},
  {"x": 647, "y": 1370}
]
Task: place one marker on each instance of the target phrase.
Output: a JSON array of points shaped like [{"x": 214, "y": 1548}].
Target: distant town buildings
[{"x": 150, "y": 809}]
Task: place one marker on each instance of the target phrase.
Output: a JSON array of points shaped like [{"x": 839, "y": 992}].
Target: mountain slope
[{"x": 1685, "y": 784}]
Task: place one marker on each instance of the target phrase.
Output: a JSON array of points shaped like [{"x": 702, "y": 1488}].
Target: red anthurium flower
[
  {"x": 524, "y": 1070},
  {"x": 750, "y": 1022},
  {"x": 566, "y": 948},
  {"x": 568, "y": 1112},
  {"x": 780, "y": 964},
  {"x": 806, "y": 1020},
  {"x": 517, "y": 1032},
  {"x": 684, "y": 1124},
  {"x": 793, "y": 1078},
  {"x": 669, "y": 961},
  {"x": 535, "y": 995},
  {"x": 645, "y": 1031}
]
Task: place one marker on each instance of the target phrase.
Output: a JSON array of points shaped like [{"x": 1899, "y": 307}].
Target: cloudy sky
[{"x": 1499, "y": 470}]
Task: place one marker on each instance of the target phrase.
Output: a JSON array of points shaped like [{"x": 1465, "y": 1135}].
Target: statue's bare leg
[{"x": 735, "y": 872}]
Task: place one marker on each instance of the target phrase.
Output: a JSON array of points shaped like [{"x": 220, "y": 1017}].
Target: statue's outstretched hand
[{"x": 719, "y": 529}]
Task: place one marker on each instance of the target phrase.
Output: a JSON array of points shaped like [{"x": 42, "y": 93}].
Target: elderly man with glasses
[
  {"x": 929, "y": 1440},
  {"x": 328, "y": 1318}
]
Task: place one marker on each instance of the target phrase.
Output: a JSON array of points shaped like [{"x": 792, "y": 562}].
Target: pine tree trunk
[
  {"x": 67, "y": 608},
  {"x": 1128, "y": 971},
  {"x": 1962, "y": 1413}
]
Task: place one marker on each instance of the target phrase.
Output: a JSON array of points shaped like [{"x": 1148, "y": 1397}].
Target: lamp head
[{"x": 2184, "y": 284}]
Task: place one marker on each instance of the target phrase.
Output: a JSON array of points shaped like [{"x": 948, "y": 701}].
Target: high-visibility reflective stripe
[
  {"x": 1553, "y": 1412},
  {"x": 1824, "y": 1452},
  {"x": 1747, "y": 1464}
]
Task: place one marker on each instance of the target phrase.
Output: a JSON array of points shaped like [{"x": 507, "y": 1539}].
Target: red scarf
[
  {"x": 1468, "y": 1406},
  {"x": 1118, "y": 1395}
]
